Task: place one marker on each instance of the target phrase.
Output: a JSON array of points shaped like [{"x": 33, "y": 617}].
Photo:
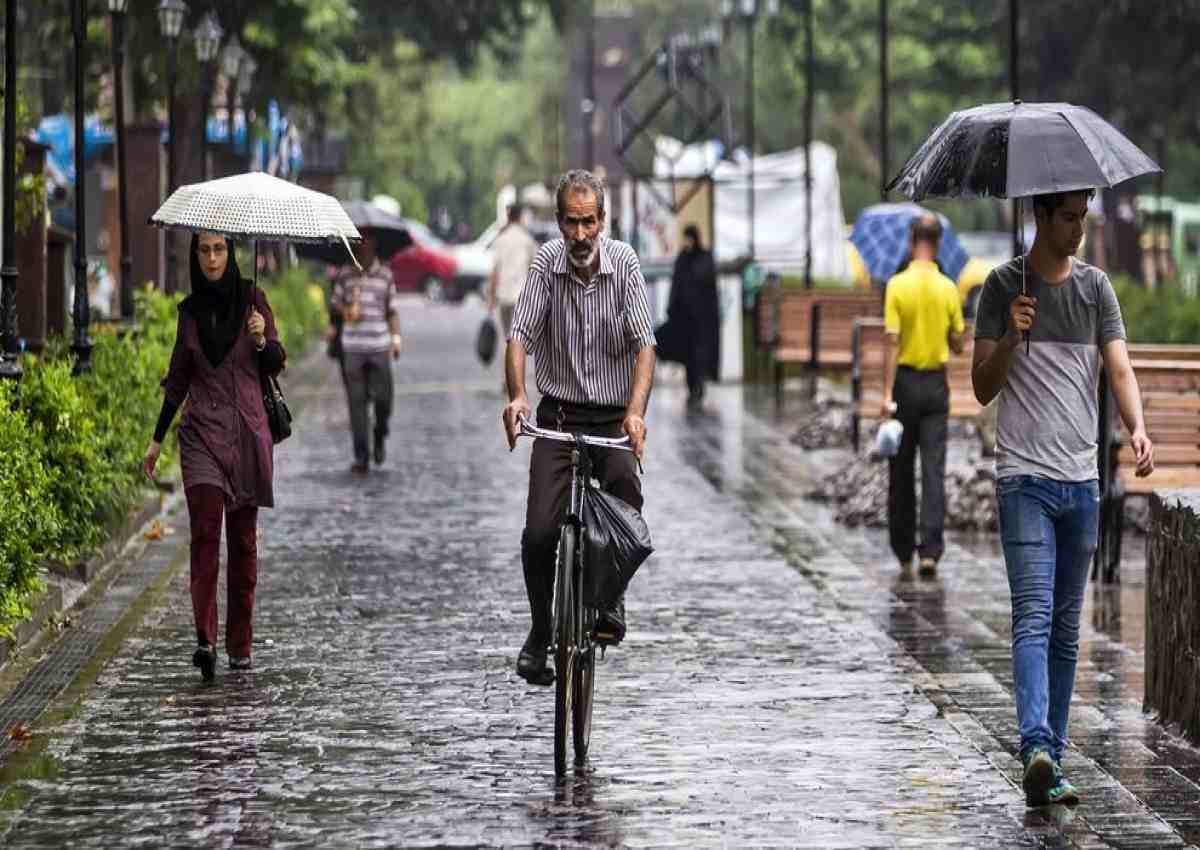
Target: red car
[{"x": 425, "y": 265}]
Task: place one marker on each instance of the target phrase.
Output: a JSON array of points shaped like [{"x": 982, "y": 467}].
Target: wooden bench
[
  {"x": 1169, "y": 380},
  {"x": 866, "y": 376},
  {"x": 812, "y": 328}
]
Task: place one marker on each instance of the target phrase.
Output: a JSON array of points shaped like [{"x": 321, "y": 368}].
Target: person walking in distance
[
  {"x": 693, "y": 311},
  {"x": 584, "y": 316},
  {"x": 923, "y": 321},
  {"x": 512, "y": 252},
  {"x": 370, "y": 341},
  {"x": 1047, "y": 484},
  {"x": 225, "y": 340}
]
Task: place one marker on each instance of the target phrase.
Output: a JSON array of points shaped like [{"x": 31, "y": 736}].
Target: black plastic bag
[
  {"x": 485, "y": 340},
  {"x": 617, "y": 542}
]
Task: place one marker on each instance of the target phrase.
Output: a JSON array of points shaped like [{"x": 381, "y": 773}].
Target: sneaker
[
  {"x": 927, "y": 568},
  {"x": 1038, "y": 778},
  {"x": 531, "y": 663},
  {"x": 205, "y": 657},
  {"x": 1063, "y": 792},
  {"x": 239, "y": 662}
]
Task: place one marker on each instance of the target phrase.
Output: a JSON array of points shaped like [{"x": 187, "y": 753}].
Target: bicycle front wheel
[{"x": 566, "y": 647}]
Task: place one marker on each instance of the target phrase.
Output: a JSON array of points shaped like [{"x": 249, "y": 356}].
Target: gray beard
[{"x": 583, "y": 265}]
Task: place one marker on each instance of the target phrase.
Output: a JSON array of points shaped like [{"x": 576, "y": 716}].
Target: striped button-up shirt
[
  {"x": 372, "y": 290},
  {"x": 584, "y": 337}
]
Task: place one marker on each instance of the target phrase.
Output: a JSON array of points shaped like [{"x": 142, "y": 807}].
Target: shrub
[{"x": 1163, "y": 315}]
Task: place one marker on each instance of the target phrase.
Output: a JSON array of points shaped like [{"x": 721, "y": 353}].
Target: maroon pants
[{"x": 206, "y": 507}]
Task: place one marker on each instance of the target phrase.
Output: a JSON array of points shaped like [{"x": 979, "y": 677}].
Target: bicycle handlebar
[{"x": 524, "y": 429}]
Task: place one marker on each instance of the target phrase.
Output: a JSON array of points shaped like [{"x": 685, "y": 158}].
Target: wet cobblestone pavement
[{"x": 780, "y": 685}]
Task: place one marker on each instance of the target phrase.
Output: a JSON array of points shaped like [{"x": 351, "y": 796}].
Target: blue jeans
[{"x": 1049, "y": 531}]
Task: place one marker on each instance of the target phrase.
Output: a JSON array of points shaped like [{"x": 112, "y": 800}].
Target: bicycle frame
[
  {"x": 573, "y": 621},
  {"x": 581, "y": 466}
]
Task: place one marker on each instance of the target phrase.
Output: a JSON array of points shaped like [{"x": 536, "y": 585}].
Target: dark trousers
[
  {"x": 550, "y": 492},
  {"x": 923, "y": 408},
  {"x": 368, "y": 378},
  {"x": 206, "y": 508}
]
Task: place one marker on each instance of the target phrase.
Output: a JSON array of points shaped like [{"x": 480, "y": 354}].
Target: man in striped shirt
[
  {"x": 370, "y": 340},
  {"x": 584, "y": 317}
]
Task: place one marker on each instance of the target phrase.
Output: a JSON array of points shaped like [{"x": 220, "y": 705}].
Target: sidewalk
[{"x": 779, "y": 686}]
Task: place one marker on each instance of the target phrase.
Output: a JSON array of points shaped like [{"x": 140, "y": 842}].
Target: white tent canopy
[{"x": 779, "y": 207}]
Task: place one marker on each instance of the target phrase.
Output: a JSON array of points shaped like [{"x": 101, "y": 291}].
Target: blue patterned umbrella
[{"x": 882, "y": 238}]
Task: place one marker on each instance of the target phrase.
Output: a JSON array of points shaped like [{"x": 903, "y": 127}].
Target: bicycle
[{"x": 573, "y": 621}]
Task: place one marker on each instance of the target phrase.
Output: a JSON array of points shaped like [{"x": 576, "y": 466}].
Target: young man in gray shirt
[{"x": 1046, "y": 460}]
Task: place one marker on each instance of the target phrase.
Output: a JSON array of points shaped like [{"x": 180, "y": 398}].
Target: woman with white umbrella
[{"x": 225, "y": 340}]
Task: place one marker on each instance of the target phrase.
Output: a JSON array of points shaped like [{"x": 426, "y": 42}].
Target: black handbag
[
  {"x": 279, "y": 417},
  {"x": 486, "y": 339}
]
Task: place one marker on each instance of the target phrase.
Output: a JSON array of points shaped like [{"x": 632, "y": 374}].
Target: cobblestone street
[{"x": 780, "y": 685}]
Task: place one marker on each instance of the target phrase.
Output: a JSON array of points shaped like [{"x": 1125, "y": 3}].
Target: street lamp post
[
  {"x": 116, "y": 9},
  {"x": 810, "y": 61},
  {"x": 208, "y": 42},
  {"x": 883, "y": 99},
  {"x": 81, "y": 314},
  {"x": 749, "y": 11},
  {"x": 231, "y": 62},
  {"x": 170, "y": 19},
  {"x": 10, "y": 362}
]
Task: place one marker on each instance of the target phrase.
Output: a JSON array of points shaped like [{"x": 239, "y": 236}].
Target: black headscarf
[{"x": 218, "y": 308}]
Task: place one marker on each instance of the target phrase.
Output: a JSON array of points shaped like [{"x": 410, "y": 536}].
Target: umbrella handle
[{"x": 350, "y": 252}]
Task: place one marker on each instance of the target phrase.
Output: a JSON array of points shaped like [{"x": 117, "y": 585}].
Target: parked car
[{"x": 426, "y": 265}]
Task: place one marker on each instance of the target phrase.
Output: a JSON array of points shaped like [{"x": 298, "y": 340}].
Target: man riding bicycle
[{"x": 584, "y": 317}]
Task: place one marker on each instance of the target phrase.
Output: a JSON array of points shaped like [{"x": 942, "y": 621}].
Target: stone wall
[{"x": 1173, "y": 610}]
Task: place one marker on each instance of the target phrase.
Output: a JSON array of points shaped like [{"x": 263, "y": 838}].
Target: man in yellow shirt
[{"x": 924, "y": 323}]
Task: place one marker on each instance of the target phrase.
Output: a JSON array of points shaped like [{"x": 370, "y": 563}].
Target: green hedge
[
  {"x": 71, "y": 447},
  {"x": 1163, "y": 315}
]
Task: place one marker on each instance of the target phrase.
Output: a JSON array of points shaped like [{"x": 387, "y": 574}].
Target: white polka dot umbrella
[{"x": 260, "y": 207}]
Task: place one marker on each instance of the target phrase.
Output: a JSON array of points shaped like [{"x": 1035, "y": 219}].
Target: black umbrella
[
  {"x": 391, "y": 235},
  {"x": 1014, "y": 150}
]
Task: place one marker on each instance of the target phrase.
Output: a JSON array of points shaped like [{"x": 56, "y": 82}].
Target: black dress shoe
[
  {"x": 610, "y": 625},
  {"x": 205, "y": 657},
  {"x": 531, "y": 663},
  {"x": 380, "y": 450}
]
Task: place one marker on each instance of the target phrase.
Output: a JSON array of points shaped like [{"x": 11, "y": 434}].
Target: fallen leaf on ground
[
  {"x": 155, "y": 531},
  {"x": 20, "y": 732}
]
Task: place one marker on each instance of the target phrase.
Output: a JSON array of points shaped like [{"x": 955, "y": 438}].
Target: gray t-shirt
[{"x": 1048, "y": 417}]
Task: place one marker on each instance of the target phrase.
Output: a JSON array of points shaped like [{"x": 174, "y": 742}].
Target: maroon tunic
[{"x": 224, "y": 437}]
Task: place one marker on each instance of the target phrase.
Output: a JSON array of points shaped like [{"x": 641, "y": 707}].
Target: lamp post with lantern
[
  {"x": 170, "y": 20},
  {"x": 749, "y": 11},
  {"x": 81, "y": 343},
  {"x": 231, "y": 63},
  {"x": 208, "y": 42},
  {"x": 116, "y": 11},
  {"x": 10, "y": 360}
]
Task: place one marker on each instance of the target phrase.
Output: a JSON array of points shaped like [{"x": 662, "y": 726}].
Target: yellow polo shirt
[{"x": 922, "y": 306}]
